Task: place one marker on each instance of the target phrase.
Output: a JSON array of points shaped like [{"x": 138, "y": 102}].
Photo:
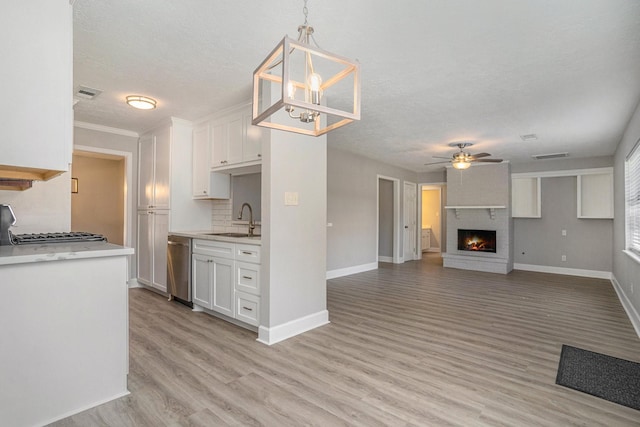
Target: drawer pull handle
[
  {"x": 246, "y": 253},
  {"x": 247, "y": 308},
  {"x": 247, "y": 277}
]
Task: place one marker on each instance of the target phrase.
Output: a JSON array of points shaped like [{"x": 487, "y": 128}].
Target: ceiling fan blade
[
  {"x": 487, "y": 160},
  {"x": 441, "y": 157},
  {"x": 477, "y": 156},
  {"x": 435, "y": 163}
]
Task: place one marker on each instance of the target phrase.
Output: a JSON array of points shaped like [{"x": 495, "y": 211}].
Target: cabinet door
[
  {"x": 144, "y": 249},
  {"x": 223, "y": 290},
  {"x": 160, "y": 221},
  {"x": 218, "y": 144},
  {"x": 38, "y": 66},
  {"x": 201, "y": 274},
  {"x": 162, "y": 168},
  {"x": 254, "y": 135},
  {"x": 201, "y": 167},
  {"x": 235, "y": 138},
  {"x": 146, "y": 155}
]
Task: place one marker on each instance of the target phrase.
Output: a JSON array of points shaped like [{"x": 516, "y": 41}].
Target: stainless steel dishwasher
[{"x": 179, "y": 269}]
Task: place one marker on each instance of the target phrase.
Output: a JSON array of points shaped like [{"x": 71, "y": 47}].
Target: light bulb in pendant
[
  {"x": 291, "y": 90},
  {"x": 314, "y": 82}
]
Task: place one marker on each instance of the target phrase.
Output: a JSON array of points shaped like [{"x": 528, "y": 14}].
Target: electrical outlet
[
  {"x": 631, "y": 287},
  {"x": 564, "y": 257},
  {"x": 564, "y": 233}
]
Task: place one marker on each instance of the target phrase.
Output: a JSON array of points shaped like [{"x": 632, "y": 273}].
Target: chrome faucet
[{"x": 251, "y": 224}]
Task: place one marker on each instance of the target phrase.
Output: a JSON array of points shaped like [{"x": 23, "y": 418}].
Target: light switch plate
[{"x": 291, "y": 198}]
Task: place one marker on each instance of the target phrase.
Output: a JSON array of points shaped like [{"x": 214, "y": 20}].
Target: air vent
[
  {"x": 85, "y": 92},
  {"x": 530, "y": 137},
  {"x": 549, "y": 156}
]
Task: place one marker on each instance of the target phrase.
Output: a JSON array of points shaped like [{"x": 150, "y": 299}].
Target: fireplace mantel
[{"x": 492, "y": 209}]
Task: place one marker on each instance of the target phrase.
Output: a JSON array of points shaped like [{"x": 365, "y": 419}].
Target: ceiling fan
[{"x": 463, "y": 159}]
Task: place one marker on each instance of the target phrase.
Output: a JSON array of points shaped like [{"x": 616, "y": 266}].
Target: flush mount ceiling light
[
  {"x": 141, "y": 102},
  {"x": 291, "y": 86}
]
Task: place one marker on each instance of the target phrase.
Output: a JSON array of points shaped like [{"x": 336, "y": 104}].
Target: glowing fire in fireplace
[{"x": 477, "y": 240}]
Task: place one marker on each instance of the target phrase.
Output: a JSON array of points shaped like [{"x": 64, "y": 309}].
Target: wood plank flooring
[{"x": 408, "y": 345}]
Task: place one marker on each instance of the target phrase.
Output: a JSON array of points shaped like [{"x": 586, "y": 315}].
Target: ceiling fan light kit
[
  {"x": 462, "y": 159},
  {"x": 291, "y": 85}
]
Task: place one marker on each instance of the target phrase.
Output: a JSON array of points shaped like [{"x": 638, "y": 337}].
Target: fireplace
[{"x": 477, "y": 240}]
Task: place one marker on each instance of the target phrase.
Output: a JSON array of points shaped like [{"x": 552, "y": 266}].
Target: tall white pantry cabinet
[{"x": 165, "y": 202}]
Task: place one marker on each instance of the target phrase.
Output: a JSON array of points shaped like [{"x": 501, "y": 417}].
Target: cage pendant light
[{"x": 304, "y": 89}]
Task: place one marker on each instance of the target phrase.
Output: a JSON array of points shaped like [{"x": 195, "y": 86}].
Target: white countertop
[
  {"x": 21, "y": 254},
  {"x": 206, "y": 235}
]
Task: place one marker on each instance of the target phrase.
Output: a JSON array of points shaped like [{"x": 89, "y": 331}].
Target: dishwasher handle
[{"x": 176, "y": 244}]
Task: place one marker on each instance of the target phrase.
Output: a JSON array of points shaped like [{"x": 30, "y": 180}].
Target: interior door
[{"x": 410, "y": 226}]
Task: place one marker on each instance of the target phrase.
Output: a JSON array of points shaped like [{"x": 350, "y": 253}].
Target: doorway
[
  {"x": 432, "y": 233},
  {"x": 101, "y": 204},
  {"x": 388, "y": 220},
  {"x": 410, "y": 252}
]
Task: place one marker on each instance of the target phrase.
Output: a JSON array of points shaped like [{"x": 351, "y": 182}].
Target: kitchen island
[{"x": 63, "y": 328}]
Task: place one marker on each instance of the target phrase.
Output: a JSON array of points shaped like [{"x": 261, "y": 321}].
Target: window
[{"x": 632, "y": 190}]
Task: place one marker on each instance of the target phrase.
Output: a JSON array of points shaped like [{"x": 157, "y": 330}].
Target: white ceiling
[{"x": 433, "y": 71}]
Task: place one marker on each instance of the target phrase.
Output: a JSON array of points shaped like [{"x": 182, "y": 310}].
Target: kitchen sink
[{"x": 231, "y": 234}]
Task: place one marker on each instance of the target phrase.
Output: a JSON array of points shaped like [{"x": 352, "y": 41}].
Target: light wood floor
[{"x": 408, "y": 345}]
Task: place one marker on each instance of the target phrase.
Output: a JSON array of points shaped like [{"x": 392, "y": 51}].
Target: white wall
[
  {"x": 294, "y": 250},
  {"x": 44, "y": 208},
  {"x": 626, "y": 271},
  {"x": 352, "y": 206}
]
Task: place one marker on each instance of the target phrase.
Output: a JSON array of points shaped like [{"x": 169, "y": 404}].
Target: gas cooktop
[{"x": 41, "y": 238}]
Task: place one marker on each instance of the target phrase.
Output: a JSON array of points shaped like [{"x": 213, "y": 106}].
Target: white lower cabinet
[
  {"x": 224, "y": 284},
  {"x": 153, "y": 231}
]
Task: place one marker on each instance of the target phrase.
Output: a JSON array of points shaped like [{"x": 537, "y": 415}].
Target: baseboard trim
[
  {"x": 332, "y": 274},
  {"x": 133, "y": 283},
  {"x": 385, "y": 259},
  {"x": 85, "y": 407},
  {"x": 275, "y": 334},
  {"x": 562, "y": 270},
  {"x": 632, "y": 314}
]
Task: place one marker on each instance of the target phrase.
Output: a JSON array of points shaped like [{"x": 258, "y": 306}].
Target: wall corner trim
[
  {"x": 332, "y": 274},
  {"x": 273, "y": 335},
  {"x": 633, "y": 315}
]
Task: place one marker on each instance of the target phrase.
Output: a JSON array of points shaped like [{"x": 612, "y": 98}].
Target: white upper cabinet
[
  {"x": 37, "y": 88},
  {"x": 235, "y": 141},
  {"x": 154, "y": 156}
]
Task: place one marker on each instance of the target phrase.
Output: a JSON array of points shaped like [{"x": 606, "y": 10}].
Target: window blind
[{"x": 632, "y": 190}]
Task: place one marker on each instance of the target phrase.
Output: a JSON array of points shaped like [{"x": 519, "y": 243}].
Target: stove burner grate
[{"x": 41, "y": 238}]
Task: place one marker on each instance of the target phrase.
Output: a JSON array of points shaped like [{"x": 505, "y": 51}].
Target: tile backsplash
[{"x": 223, "y": 220}]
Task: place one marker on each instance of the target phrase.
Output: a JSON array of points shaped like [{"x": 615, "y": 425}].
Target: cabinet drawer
[
  {"x": 248, "y": 308},
  {"x": 248, "y": 278},
  {"x": 248, "y": 253},
  {"x": 213, "y": 248}
]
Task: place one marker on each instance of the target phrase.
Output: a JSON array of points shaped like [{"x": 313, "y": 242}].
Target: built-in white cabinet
[
  {"x": 154, "y": 159},
  {"x": 226, "y": 279},
  {"x": 594, "y": 192},
  {"x": 425, "y": 241},
  {"x": 153, "y": 232},
  {"x": 165, "y": 201},
  {"x": 207, "y": 184},
  {"x": 595, "y": 195},
  {"x": 38, "y": 67},
  {"x": 525, "y": 197}
]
